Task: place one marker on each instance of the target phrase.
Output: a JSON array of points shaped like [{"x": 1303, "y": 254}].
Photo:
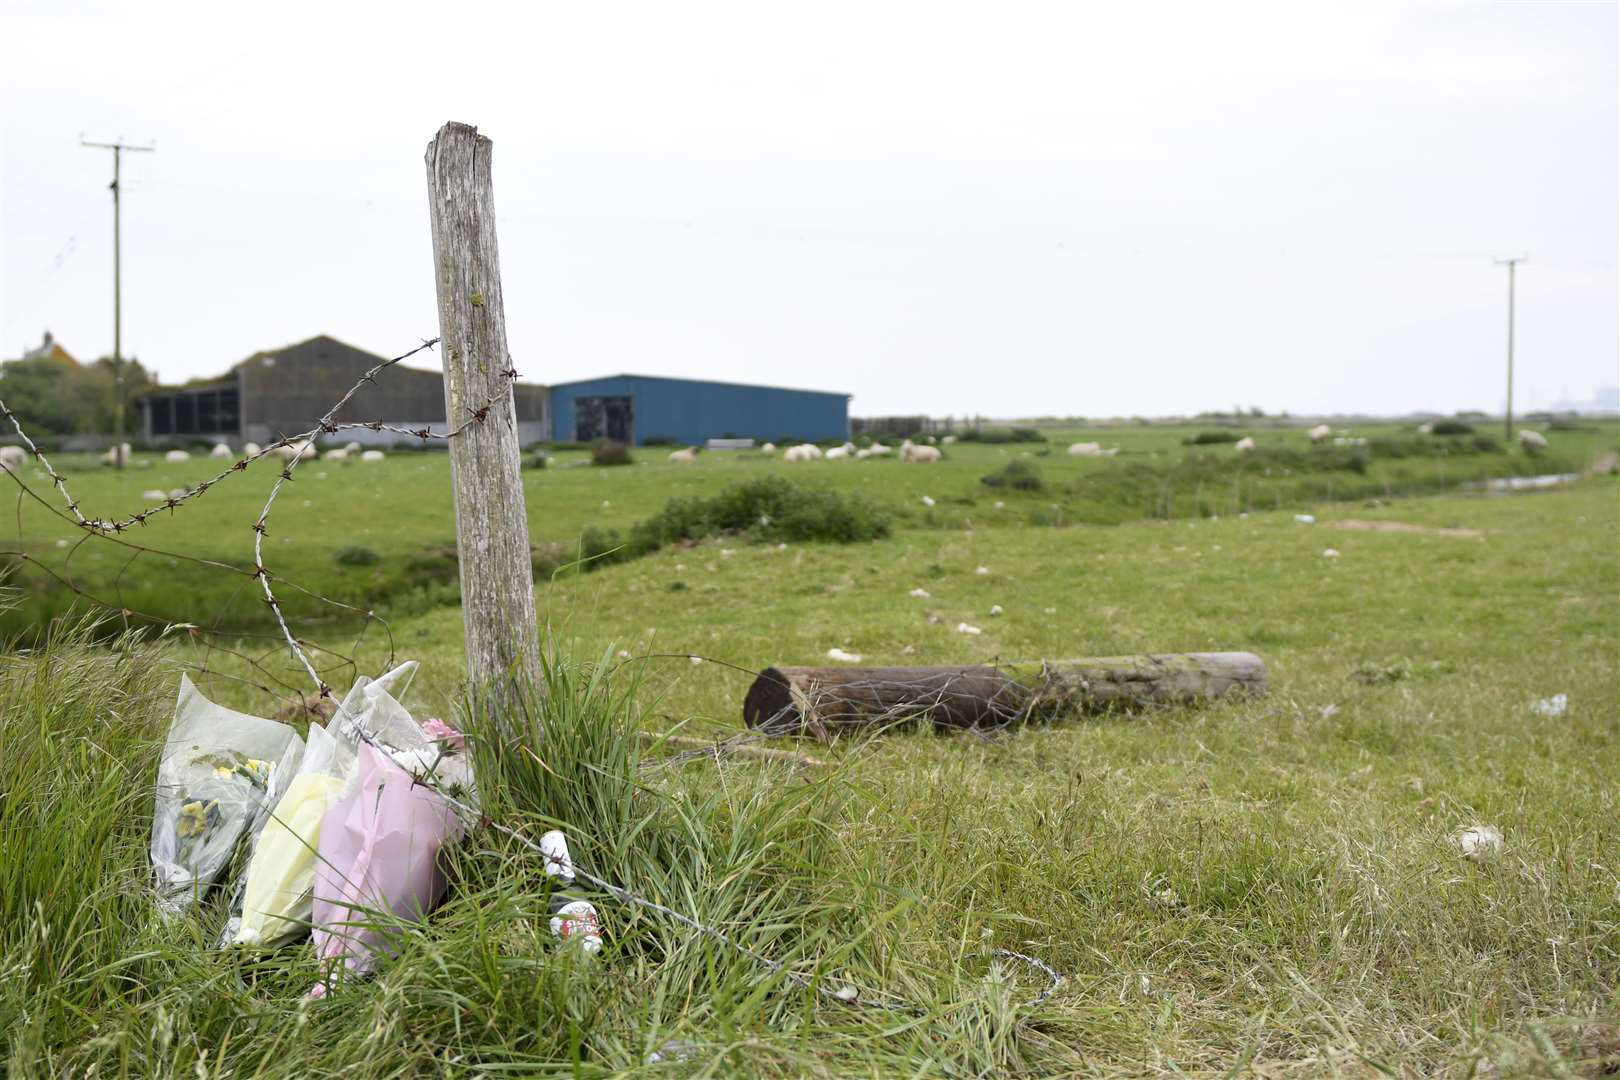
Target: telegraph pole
[
  {"x": 1512, "y": 265},
  {"x": 118, "y": 149}
]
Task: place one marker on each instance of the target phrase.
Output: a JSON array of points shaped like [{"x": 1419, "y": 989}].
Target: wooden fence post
[{"x": 492, "y": 527}]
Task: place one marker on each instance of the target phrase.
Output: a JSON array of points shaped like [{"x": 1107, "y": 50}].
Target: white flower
[
  {"x": 995, "y": 609},
  {"x": 926, "y": 501},
  {"x": 921, "y": 594},
  {"x": 1000, "y": 505},
  {"x": 964, "y": 628},
  {"x": 981, "y": 571},
  {"x": 843, "y": 657},
  {"x": 1330, "y": 553},
  {"x": 1480, "y": 843}
]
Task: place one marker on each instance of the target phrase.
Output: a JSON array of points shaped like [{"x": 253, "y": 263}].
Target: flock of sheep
[
  {"x": 287, "y": 451},
  {"x": 909, "y": 451}
]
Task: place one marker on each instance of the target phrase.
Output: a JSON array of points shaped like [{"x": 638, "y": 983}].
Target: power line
[{"x": 118, "y": 149}]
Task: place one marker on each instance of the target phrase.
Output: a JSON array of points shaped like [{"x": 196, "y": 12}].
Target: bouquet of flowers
[
  {"x": 277, "y": 896},
  {"x": 221, "y": 772},
  {"x": 379, "y": 843}
]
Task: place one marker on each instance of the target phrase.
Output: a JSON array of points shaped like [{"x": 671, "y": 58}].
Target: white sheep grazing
[
  {"x": 220, "y": 450},
  {"x": 251, "y": 449},
  {"x": 116, "y": 455},
  {"x": 802, "y": 452},
  {"x": 947, "y": 440},
  {"x": 1244, "y": 445},
  {"x": 879, "y": 450},
  {"x": 768, "y": 448},
  {"x": 175, "y": 457},
  {"x": 1085, "y": 449},
  {"x": 1532, "y": 440},
  {"x": 340, "y": 454},
  {"x": 352, "y": 447},
  {"x": 1426, "y": 429},
  {"x": 1320, "y": 433},
  {"x": 372, "y": 455},
  {"x": 863, "y": 453},
  {"x": 154, "y": 495},
  {"x": 684, "y": 457},
  {"x": 837, "y": 453},
  {"x": 921, "y": 455},
  {"x": 13, "y": 457}
]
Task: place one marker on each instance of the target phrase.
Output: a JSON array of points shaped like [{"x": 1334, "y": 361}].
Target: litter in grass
[
  {"x": 926, "y": 501},
  {"x": 1480, "y": 843},
  {"x": 964, "y": 628},
  {"x": 921, "y": 594},
  {"x": 1551, "y": 706},
  {"x": 995, "y": 609},
  {"x": 842, "y": 656}
]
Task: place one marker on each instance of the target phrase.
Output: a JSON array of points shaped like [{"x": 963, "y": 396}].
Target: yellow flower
[
  {"x": 224, "y": 772},
  {"x": 193, "y": 819}
]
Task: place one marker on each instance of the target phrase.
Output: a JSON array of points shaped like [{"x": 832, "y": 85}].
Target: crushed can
[{"x": 572, "y": 918}]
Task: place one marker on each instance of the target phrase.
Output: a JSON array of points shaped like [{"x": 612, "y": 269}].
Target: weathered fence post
[{"x": 492, "y": 528}]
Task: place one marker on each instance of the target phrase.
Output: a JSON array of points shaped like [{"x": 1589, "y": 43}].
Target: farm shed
[
  {"x": 636, "y": 408},
  {"x": 281, "y": 392}
]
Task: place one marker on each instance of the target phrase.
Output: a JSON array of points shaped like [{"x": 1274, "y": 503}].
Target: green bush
[
  {"x": 608, "y": 452},
  {"x": 1452, "y": 427},
  {"x": 1001, "y": 435},
  {"x": 1484, "y": 444},
  {"x": 1210, "y": 438},
  {"x": 355, "y": 555},
  {"x": 1017, "y": 475}
]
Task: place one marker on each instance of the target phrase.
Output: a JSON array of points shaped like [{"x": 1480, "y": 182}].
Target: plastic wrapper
[
  {"x": 379, "y": 844},
  {"x": 221, "y": 773},
  {"x": 284, "y": 879},
  {"x": 278, "y": 893}
]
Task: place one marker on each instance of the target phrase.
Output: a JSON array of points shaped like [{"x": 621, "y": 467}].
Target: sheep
[
  {"x": 1244, "y": 445},
  {"x": 1320, "y": 433},
  {"x": 352, "y": 447},
  {"x": 13, "y": 458},
  {"x": 1532, "y": 441},
  {"x": 802, "y": 452},
  {"x": 372, "y": 455},
  {"x": 340, "y": 454},
  {"x": 863, "y": 453},
  {"x": 154, "y": 495},
  {"x": 948, "y": 440},
  {"x": 1426, "y": 429},
  {"x": 1085, "y": 449},
  {"x": 910, "y": 451},
  {"x": 291, "y": 450},
  {"x": 837, "y": 453},
  {"x": 175, "y": 457},
  {"x": 220, "y": 450},
  {"x": 116, "y": 455},
  {"x": 251, "y": 449},
  {"x": 879, "y": 450},
  {"x": 768, "y": 448},
  {"x": 684, "y": 457}
]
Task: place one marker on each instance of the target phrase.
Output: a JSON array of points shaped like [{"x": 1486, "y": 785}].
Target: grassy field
[{"x": 1266, "y": 887}]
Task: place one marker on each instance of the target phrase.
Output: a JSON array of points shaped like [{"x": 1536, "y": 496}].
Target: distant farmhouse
[
  {"x": 283, "y": 392},
  {"x": 635, "y": 408},
  {"x": 50, "y": 349}
]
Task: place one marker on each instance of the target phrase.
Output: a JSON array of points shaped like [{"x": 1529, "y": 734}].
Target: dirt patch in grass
[{"x": 1359, "y": 525}]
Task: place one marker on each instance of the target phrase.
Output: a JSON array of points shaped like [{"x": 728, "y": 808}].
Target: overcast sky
[{"x": 999, "y": 208}]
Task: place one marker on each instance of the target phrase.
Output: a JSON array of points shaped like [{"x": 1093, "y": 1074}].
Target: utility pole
[
  {"x": 118, "y": 149},
  {"x": 1512, "y": 265}
]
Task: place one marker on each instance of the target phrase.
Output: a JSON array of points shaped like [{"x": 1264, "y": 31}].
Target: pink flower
[{"x": 439, "y": 731}]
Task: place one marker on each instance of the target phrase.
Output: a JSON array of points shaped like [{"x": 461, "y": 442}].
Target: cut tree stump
[{"x": 820, "y": 700}]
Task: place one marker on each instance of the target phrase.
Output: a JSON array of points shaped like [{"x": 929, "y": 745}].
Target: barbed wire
[{"x": 293, "y": 449}]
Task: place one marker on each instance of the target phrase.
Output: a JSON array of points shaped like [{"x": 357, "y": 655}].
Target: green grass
[{"x": 1270, "y": 885}]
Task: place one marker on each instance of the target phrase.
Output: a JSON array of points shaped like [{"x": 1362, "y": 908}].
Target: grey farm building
[{"x": 282, "y": 392}]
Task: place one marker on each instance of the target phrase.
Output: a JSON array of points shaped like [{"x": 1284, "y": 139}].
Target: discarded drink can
[{"x": 571, "y": 917}]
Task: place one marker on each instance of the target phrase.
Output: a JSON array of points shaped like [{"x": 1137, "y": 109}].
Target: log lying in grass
[{"x": 820, "y": 700}]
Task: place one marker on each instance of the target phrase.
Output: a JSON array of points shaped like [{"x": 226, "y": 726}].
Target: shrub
[
  {"x": 355, "y": 555},
  {"x": 1211, "y": 438},
  {"x": 1484, "y": 444},
  {"x": 608, "y": 452},
  {"x": 1452, "y": 427},
  {"x": 1001, "y": 435},
  {"x": 1017, "y": 475}
]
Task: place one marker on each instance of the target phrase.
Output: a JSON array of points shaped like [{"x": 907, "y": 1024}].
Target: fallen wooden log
[{"x": 820, "y": 700}]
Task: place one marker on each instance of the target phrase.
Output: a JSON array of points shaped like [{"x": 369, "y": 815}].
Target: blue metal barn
[{"x": 635, "y": 408}]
